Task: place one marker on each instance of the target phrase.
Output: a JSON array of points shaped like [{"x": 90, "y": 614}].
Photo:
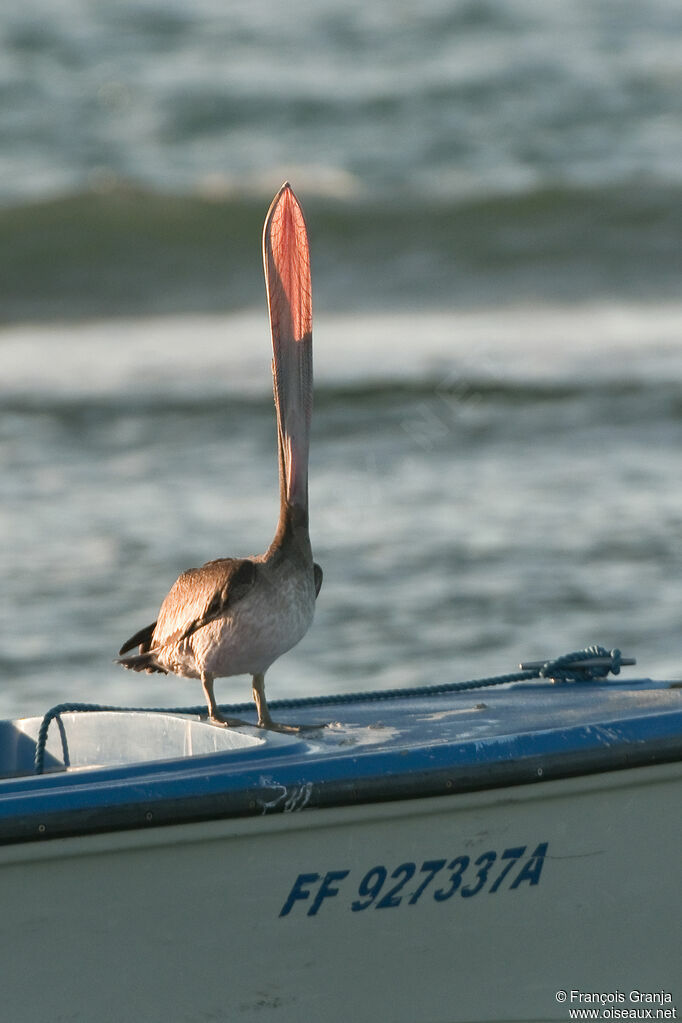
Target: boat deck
[{"x": 108, "y": 770}]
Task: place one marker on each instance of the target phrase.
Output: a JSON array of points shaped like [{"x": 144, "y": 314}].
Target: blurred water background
[{"x": 493, "y": 191}]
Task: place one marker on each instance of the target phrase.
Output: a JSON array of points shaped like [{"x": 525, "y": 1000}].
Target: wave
[
  {"x": 514, "y": 353},
  {"x": 613, "y": 401},
  {"x": 129, "y": 252}
]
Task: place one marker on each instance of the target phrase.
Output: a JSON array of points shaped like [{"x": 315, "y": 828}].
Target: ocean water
[{"x": 493, "y": 195}]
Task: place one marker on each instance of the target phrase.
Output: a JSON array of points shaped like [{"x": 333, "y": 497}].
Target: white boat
[{"x": 491, "y": 854}]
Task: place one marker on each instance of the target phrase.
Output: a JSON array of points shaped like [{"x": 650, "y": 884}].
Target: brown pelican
[{"x": 236, "y": 616}]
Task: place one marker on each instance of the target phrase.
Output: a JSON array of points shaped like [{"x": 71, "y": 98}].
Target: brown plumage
[{"x": 236, "y": 616}]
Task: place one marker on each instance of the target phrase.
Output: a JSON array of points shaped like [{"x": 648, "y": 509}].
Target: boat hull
[{"x": 388, "y": 911}]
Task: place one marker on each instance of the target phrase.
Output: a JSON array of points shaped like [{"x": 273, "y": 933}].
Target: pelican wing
[
  {"x": 141, "y": 639},
  {"x": 201, "y": 595}
]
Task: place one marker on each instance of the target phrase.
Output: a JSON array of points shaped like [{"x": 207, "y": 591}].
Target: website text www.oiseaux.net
[{"x": 617, "y": 1005}]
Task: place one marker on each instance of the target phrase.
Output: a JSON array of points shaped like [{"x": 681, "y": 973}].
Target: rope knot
[{"x": 580, "y": 665}]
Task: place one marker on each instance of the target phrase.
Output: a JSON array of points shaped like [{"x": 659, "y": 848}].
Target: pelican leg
[
  {"x": 214, "y": 715},
  {"x": 264, "y": 718}
]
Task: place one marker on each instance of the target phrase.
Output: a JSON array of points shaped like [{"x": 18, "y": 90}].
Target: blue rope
[{"x": 562, "y": 669}]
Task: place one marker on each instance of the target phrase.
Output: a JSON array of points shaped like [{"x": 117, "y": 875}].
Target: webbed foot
[
  {"x": 276, "y": 726},
  {"x": 223, "y": 722}
]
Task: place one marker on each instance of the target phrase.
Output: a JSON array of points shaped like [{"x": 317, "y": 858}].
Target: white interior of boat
[{"x": 106, "y": 738}]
